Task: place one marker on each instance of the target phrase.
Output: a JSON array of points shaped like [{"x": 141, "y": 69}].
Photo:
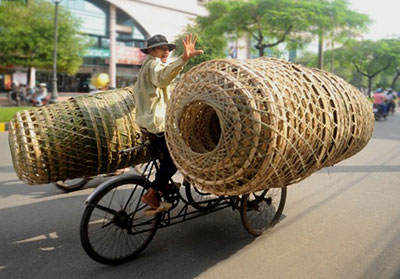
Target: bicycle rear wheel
[
  {"x": 260, "y": 211},
  {"x": 114, "y": 228},
  {"x": 71, "y": 185},
  {"x": 200, "y": 200}
]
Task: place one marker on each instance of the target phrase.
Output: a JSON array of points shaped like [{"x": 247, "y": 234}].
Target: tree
[
  {"x": 370, "y": 58},
  {"x": 212, "y": 45},
  {"x": 267, "y": 22},
  {"x": 394, "y": 70},
  {"x": 27, "y": 39},
  {"x": 333, "y": 20}
]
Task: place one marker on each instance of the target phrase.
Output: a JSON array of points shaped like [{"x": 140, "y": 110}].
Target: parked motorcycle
[{"x": 16, "y": 96}]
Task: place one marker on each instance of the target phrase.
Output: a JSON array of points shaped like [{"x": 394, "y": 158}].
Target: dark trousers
[{"x": 167, "y": 167}]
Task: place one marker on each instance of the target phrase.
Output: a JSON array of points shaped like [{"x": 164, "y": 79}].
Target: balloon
[{"x": 100, "y": 80}]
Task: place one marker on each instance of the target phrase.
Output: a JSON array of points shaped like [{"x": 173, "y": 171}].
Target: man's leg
[
  {"x": 166, "y": 171},
  {"x": 167, "y": 166}
]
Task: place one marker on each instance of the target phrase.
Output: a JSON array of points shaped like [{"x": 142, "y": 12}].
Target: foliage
[
  {"x": 213, "y": 46},
  {"x": 7, "y": 113},
  {"x": 369, "y": 58},
  {"x": 307, "y": 58},
  {"x": 267, "y": 22},
  {"x": 334, "y": 21},
  {"x": 271, "y": 22},
  {"x": 27, "y": 38}
]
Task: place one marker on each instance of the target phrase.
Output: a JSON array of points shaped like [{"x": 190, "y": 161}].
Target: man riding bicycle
[{"x": 152, "y": 94}]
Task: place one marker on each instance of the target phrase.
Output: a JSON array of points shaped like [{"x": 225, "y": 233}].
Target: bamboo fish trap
[
  {"x": 235, "y": 127},
  {"x": 78, "y": 137}
]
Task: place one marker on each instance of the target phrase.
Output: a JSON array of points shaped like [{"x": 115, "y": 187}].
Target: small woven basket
[
  {"x": 235, "y": 127},
  {"x": 75, "y": 138}
]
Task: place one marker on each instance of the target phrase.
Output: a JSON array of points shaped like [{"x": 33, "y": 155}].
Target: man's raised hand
[{"x": 189, "y": 47}]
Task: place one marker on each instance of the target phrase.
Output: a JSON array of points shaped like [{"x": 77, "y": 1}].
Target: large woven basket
[
  {"x": 235, "y": 127},
  {"x": 78, "y": 137}
]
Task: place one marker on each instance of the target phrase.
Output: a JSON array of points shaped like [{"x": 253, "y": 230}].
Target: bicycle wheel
[
  {"x": 71, "y": 185},
  {"x": 200, "y": 200},
  {"x": 260, "y": 211},
  {"x": 141, "y": 170},
  {"x": 114, "y": 228}
]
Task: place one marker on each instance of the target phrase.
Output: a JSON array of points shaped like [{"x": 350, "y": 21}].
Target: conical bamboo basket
[
  {"x": 235, "y": 127},
  {"x": 75, "y": 138}
]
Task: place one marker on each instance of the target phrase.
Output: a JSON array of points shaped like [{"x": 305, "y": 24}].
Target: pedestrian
[{"x": 152, "y": 94}]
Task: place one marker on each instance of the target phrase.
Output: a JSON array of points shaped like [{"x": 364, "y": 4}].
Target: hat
[
  {"x": 42, "y": 84},
  {"x": 156, "y": 41}
]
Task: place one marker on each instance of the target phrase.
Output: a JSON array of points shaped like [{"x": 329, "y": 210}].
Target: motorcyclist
[
  {"x": 379, "y": 102},
  {"x": 41, "y": 94},
  {"x": 390, "y": 101}
]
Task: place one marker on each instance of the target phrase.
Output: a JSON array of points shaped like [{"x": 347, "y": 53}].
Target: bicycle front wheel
[
  {"x": 114, "y": 228},
  {"x": 260, "y": 211}
]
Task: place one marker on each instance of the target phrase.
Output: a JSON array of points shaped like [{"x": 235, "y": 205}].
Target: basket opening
[{"x": 200, "y": 127}]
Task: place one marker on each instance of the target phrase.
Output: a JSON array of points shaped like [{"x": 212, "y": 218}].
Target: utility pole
[{"x": 54, "y": 93}]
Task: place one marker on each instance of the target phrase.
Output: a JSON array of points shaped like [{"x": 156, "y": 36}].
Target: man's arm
[{"x": 163, "y": 75}]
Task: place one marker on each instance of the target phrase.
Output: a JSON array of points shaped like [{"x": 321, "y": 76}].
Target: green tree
[
  {"x": 394, "y": 70},
  {"x": 370, "y": 58},
  {"x": 334, "y": 21},
  {"x": 267, "y": 22},
  {"x": 212, "y": 45},
  {"x": 27, "y": 37}
]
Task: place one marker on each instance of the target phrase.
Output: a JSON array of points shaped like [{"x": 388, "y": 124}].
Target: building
[{"x": 118, "y": 28}]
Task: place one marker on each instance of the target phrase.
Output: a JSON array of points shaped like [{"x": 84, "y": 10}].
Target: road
[{"x": 342, "y": 222}]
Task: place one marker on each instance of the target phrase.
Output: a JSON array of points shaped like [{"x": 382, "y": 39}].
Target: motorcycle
[
  {"x": 379, "y": 112},
  {"x": 16, "y": 96},
  {"x": 31, "y": 98}
]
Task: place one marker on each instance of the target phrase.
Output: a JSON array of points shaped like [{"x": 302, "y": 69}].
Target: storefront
[{"x": 118, "y": 28}]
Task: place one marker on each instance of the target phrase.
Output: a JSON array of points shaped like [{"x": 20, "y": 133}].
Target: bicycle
[{"x": 115, "y": 229}]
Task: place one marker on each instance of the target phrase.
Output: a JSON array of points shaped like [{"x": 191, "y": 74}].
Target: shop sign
[
  {"x": 97, "y": 52},
  {"x": 129, "y": 55}
]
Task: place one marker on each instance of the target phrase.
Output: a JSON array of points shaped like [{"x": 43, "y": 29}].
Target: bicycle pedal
[{"x": 164, "y": 206}]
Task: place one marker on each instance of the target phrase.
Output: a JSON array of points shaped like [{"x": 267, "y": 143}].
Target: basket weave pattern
[
  {"x": 235, "y": 127},
  {"x": 76, "y": 138}
]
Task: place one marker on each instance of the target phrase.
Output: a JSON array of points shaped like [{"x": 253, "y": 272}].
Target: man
[
  {"x": 41, "y": 95},
  {"x": 379, "y": 101},
  {"x": 152, "y": 94}
]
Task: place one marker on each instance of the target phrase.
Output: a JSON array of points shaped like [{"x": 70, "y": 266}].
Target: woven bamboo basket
[
  {"x": 75, "y": 138},
  {"x": 235, "y": 127}
]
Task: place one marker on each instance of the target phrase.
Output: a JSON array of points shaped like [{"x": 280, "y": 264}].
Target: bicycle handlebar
[{"x": 136, "y": 147}]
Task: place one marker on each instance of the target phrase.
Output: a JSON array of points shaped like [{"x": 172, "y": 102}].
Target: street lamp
[{"x": 54, "y": 93}]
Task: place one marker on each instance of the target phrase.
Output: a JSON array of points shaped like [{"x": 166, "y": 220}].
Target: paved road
[{"x": 342, "y": 222}]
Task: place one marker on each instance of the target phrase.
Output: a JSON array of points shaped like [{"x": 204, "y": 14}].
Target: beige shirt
[{"x": 152, "y": 92}]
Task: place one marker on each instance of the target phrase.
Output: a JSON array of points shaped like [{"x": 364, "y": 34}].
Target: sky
[{"x": 384, "y": 13}]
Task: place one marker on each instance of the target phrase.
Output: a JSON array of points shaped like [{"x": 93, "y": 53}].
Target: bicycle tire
[
  {"x": 71, "y": 185},
  {"x": 262, "y": 210},
  {"x": 122, "y": 233},
  {"x": 200, "y": 200}
]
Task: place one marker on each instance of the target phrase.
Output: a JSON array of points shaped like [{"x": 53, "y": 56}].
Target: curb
[{"x": 3, "y": 126}]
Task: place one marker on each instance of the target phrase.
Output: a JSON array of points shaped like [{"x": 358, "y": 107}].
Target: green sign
[{"x": 97, "y": 52}]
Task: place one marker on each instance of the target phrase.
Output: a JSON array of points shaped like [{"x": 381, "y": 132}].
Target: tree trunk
[
  {"x": 395, "y": 80},
  {"x": 320, "y": 52},
  {"x": 369, "y": 86},
  {"x": 261, "y": 52},
  {"x": 332, "y": 56}
]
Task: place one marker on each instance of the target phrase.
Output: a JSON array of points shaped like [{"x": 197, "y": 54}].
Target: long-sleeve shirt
[{"x": 152, "y": 92}]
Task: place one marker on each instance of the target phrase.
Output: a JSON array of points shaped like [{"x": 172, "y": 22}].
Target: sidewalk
[
  {"x": 4, "y": 102},
  {"x": 62, "y": 96}
]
